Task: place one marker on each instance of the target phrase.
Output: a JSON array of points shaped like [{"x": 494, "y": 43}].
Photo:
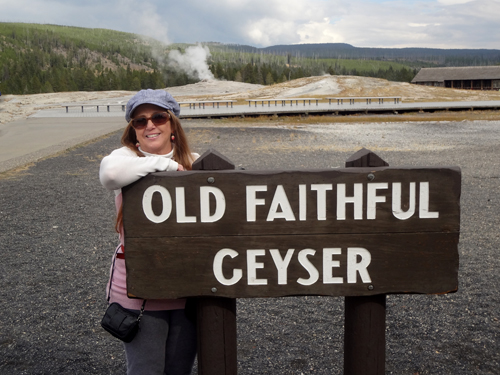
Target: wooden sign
[{"x": 341, "y": 232}]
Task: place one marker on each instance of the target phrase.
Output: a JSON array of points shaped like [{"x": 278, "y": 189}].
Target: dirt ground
[{"x": 57, "y": 240}]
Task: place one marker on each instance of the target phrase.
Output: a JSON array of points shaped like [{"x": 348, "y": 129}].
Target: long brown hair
[{"x": 182, "y": 152}]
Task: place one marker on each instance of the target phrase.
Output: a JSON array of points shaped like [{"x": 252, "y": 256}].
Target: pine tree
[
  {"x": 269, "y": 79},
  {"x": 136, "y": 84},
  {"x": 36, "y": 85},
  {"x": 47, "y": 87}
]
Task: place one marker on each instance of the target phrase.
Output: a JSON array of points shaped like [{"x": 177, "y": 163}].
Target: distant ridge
[{"x": 437, "y": 56}]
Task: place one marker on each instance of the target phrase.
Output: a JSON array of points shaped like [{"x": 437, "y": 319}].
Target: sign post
[
  {"x": 216, "y": 316},
  {"x": 364, "y": 325}
]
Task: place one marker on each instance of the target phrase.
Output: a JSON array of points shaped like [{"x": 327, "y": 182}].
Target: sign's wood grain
[
  {"x": 174, "y": 267},
  {"x": 444, "y": 195}
]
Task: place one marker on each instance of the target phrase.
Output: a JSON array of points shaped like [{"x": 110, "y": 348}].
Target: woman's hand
[{"x": 180, "y": 168}]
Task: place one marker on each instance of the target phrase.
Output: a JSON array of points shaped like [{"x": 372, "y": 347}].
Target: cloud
[
  {"x": 359, "y": 22},
  {"x": 419, "y": 24},
  {"x": 364, "y": 23},
  {"x": 453, "y": 2},
  {"x": 268, "y": 22},
  {"x": 146, "y": 19}
]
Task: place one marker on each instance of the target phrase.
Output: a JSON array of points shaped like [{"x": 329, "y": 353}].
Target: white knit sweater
[{"x": 119, "y": 169}]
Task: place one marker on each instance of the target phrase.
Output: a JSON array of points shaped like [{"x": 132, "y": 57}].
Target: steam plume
[{"x": 193, "y": 61}]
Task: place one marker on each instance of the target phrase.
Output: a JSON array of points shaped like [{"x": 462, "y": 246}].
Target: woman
[{"x": 153, "y": 141}]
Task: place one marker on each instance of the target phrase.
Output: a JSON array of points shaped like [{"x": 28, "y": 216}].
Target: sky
[{"x": 261, "y": 23}]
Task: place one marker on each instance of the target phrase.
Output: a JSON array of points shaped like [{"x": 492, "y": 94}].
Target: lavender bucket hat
[{"x": 161, "y": 98}]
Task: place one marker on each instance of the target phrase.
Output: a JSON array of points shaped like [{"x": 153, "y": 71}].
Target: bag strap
[
  {"x": 111, "y": 281},
  {"x": 113, "y": 271},
  {"x": 142, "y": 311}
]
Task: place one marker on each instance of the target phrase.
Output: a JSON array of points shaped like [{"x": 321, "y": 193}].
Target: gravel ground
[{"x": 57, "y": 238}]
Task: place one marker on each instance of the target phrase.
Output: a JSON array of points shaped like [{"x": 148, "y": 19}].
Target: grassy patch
[{"x": 16, "y": 173}]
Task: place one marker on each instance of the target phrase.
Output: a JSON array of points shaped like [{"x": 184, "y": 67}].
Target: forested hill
[
  {"x": 38, "y": 58},
  {"x": 439, "y": 57},
  {"x": 46, "y": 58}
]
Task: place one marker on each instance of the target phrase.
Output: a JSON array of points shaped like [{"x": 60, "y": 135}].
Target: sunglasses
[{"x": 157, "y": 118}]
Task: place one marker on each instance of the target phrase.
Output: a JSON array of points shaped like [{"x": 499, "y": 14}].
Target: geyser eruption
[{"x": 193, "y": 61}]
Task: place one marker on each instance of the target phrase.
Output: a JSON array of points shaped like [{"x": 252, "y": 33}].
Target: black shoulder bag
[{"x": 118, "y": 321}]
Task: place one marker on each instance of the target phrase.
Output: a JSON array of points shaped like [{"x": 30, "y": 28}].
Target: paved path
[{"x": 25, "y": 141}]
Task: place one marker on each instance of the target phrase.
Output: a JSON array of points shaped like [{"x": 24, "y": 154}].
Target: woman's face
[{"x": 153, "y": 139}]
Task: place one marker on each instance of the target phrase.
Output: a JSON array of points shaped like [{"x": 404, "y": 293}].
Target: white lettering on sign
[
  {"x": 252, "y": 200},
  {"x": 280, "y": 200},
  {"x": 397, "y": 201},
  {"x": 302, "y": 202},
  {"x": 180, "y": 207},
  {"x": 329, "y": 264},
  {"x": 180, "y": 204},
  {"x": 358, "y": 260},
  {"x": 354, "y": 267},
  {"x": 253, "y": 265},
  {"x": 372, "y": 199},
  {"x": 217, "y": 267},
  {"x": 147, "y": 203},
  {"x": 356, "y": 199},
  {"x": 321, "y": 199},
  {"x": 281, "y": 208},
  {"x": 424, "y": 212},
  {"x": 282, "y": 264},
  {"x": 220, "y": 204},
  {"x": 309, "y": 267}
]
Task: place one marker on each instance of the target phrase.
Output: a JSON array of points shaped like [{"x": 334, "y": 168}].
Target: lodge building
[{"x": 468, "y": 78}]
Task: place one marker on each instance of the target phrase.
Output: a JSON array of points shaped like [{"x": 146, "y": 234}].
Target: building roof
[{"x": 454, "y": 74}]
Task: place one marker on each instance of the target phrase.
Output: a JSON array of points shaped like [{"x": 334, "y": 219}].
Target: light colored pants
[{"x": 164, "y": 345}]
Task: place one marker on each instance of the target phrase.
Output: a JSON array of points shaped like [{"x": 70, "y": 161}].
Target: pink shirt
[{"x": 118, "y": 291}]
